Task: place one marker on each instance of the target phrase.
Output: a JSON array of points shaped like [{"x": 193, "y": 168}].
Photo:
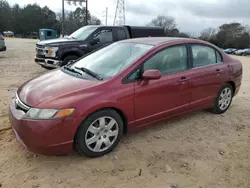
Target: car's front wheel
[
  {"x": 99, "y": 134},
  {"x": 223, "y": 99}
]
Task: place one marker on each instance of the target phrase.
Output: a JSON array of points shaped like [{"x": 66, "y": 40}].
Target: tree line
[
  {"x": 27, "y": 20},
  {"x": 228, "y": 35}
]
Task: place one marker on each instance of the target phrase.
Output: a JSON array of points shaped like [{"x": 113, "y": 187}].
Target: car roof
[{"x": 157, "y": 41}]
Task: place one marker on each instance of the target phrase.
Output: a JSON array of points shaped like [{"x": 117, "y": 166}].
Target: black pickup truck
[{"x": 58, "y": 52}]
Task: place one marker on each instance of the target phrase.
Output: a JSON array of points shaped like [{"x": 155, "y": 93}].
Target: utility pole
[
  {"x": 106, "y": 20},
  {"x": 86, "y": 16},
  {"x": 62, "y": 18},
  {"x": 74, "y": 1}
]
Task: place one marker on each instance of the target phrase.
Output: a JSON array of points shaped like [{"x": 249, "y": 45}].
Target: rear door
[
  {"x": 120, "y": 34},
  {"x": 209, "y": 73}
]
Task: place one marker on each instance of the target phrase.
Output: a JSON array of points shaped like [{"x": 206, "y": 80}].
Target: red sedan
[{"x": 90, "y": 103}]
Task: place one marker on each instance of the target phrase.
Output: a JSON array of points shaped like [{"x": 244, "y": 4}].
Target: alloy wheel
[
  {"x": 101, "y": 134},
  {"x": 225, "y": 98}
]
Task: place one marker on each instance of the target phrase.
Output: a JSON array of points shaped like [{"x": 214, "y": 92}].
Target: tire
[
  {"x": 68, "y": 58},
  {"x": 48, "y": 68},
  {"x": 84, "y": 134},
  {"x": 219, "y": 108}
]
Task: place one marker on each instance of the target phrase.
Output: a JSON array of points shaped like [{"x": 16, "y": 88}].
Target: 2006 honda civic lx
[{"x": 89, "y": 104}]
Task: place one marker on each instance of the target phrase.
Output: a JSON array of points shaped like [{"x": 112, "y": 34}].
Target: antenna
[{"x": 120, "y": 13}]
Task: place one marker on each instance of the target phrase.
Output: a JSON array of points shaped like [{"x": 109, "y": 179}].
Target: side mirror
[
  {"x": 151, "y": 75},
  {"x": 95, "y": 41}
]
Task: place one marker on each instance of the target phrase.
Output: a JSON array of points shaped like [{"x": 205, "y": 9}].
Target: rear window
[
  {"x": 204, "y": 55},
  {"x": 121, "y": 34}
]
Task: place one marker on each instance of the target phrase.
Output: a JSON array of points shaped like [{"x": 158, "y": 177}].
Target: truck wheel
[
  {"x": 68, "y": 58},
  {"x": 48, "y": 68}
]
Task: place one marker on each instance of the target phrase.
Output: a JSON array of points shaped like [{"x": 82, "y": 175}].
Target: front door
[
  {"x": 170, "y": 94},
  {"x": 101, "y": 38}
]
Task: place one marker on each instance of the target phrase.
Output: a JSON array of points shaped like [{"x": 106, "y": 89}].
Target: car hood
[
  {"x": 50, "y": 86},
  {"x": 58, "y": 41}
]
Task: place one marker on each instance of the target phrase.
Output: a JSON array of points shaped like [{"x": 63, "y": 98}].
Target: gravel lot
[{"x": 200, "y": 150}]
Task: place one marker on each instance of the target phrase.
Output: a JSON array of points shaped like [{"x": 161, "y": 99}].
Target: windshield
[
  {"x": 83, "y": 33},
  {"x": 112, "y": 59}
]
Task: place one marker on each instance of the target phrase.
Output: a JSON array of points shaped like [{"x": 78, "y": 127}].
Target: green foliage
[
  {"x": 27, "y": 20},
  {"x": 5, "y": 15},
  {"x": 75, "y": 19},
  {"x": 232, "y": 35}
]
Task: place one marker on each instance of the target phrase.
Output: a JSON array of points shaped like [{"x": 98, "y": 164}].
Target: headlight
[
  {"x": 36, "y": 113},
  {"x": 51, "y": 51}
]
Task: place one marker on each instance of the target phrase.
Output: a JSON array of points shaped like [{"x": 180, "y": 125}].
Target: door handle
[
  {"x": 183, "y": 79},
  {"x": 218, "y": 72}
]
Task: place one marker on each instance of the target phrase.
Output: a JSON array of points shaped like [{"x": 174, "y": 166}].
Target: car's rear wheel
[
  {"x": 223, "y": 99},
  {"x": 99, "y": 134}
]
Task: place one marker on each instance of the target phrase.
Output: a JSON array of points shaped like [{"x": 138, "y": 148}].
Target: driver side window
[
  {"x": 170, "y": 60},
  {"x": 104, "y": 36}
]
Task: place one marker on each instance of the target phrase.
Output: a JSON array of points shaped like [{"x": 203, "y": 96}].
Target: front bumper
[
  {"x": 46, "y": 62},
  {"x": 46, "y": 137},
  {"x": 3, "y": 49}
]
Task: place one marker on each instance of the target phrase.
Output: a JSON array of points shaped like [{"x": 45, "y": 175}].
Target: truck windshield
[
  {"x": 111, "y": 60},
  {"x": 83, "y": 33}
]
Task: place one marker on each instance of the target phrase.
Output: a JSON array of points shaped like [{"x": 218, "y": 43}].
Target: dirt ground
[{"x": 201, "y": 150}]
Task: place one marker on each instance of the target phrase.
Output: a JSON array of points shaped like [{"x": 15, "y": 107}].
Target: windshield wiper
[
  {"x": 72, "y": 70},
  {"x": 89, "y": 72}
]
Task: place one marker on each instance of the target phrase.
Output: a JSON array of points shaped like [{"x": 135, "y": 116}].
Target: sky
[{"x": 191, "y": 15}]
